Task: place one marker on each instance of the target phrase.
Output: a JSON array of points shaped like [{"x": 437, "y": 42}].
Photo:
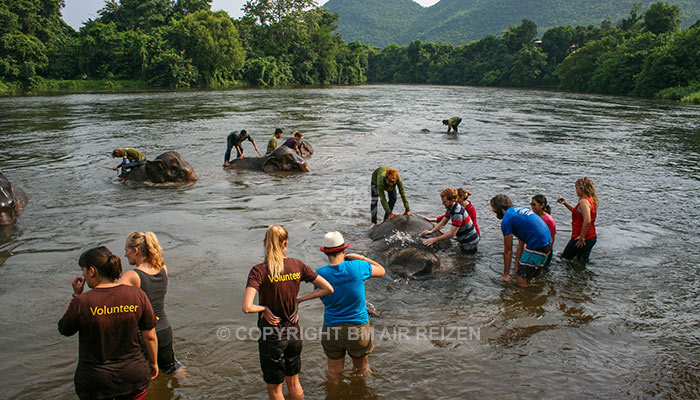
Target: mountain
[{"x": 381, "y": 22}]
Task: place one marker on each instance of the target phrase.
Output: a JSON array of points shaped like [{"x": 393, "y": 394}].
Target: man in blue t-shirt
[
  {"x": 534, "y": 239},
  {"x": 345, "y": 319}
]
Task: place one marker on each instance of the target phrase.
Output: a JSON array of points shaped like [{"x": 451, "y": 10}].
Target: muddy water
[{"x": 625, "y": 326}]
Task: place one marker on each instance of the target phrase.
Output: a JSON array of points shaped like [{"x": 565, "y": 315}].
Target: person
[
  {"x": 277, "y": 280},
  {"x": 151, "y": 275},
  {"x": 583, "y": 215},
  {"x": 539, "y": 206},
  {"x": 452, "y": 123},
  {"x": 236, "y": 139},
  {"x": 272, "y": 143},
  {"x": 386, "y": 179},
  {"x": 346, "y": 325},
  {"x": 462, "y": 199},
  {"x": 108, "y": 318},
  {"x": 131, "y": 158},
  {"x": 294, "y": 142},
  {"x": 534, "y": 239},
  {"x": 462, "y": 226}
]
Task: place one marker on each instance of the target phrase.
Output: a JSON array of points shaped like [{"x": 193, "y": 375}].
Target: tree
[
  {"x": 210, "y": 40},
  {"x": 632, "y": 23},
  {"x": 662, "y": 17},
  {"x": 272, "y": 11},
  {"x": 136, "y": 14}
]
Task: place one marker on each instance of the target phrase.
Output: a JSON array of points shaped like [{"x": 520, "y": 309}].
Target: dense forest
[
  {"x": 182, "y": 43},
  {"x": 382, "y": 22}
]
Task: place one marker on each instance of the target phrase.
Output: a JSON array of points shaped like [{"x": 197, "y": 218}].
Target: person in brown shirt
[
  {"x": 108, "y": 318},
  {"x": 277, "y": 281}
]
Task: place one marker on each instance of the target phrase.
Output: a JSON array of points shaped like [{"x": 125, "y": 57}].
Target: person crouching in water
[
  {"x": 108, "y": 319},
  {"x": 277, "y": 281},
  {"x": 131, "y": 158},
  {"x": 462, "y": 226},
  {"x": 151, "y": 275},
  {"x": 345, "y": 319},
  {"x": 534, "y": 239}
]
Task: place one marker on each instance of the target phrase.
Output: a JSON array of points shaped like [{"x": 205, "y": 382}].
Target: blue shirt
[
  {"x": 347, "y": 302},
  {"x": 527, "y": 226}
]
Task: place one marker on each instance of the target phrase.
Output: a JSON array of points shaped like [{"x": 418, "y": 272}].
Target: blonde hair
[
  {"x": 274, "y": 249},
  {"x": 449, "y": 194},
  {"x": 148, "y": 245},
  {"x": 588, "y": 189},
  {"x": 463, "y": 193}
]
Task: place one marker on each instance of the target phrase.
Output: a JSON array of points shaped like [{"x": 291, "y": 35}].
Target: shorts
[
  {"x": 580, "y": 253},
  {"x": 354, "y": 339},
  {"x": 279, "y": 358},
  {"x": 532, "y": 261}
]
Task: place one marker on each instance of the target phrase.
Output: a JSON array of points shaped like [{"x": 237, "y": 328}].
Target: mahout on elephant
[
  {"x": 168, "y": 167},
  {"x": 401, "y": 249},
  {"x": 282, "y": 159},
  {"x": 12, "y": 201}
]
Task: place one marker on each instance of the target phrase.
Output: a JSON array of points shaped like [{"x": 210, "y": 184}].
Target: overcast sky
[{"x": 77, "y": 11}]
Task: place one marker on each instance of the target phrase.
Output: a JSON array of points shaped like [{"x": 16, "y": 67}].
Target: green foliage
[
  {"x": 679, "y": 92},
  {"x": 693, "y": 98},
  {"x": 662, "y": 17},
  {"x": 171, "y": 69},
  {"x": 210, "y": 41},
  {"x": 22, "y": 56}
]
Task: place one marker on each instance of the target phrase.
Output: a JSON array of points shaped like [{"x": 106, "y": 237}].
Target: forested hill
[{"x": 381, "y": 22}]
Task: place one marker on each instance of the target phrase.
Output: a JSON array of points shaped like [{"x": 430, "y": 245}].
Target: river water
[{"x": 625, "y": 326}]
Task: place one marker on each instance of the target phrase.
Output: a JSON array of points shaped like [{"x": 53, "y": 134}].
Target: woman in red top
[{"x": 583, "y": 215}]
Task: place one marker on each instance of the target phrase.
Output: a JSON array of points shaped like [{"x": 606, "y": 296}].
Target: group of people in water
[
  {"x": 125, "y": 338},
  {"x": 235, "y": 140},
  {"x": 534, "y": 227}
]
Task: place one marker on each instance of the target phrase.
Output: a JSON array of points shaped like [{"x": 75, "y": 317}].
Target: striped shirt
[{"x": 467, "y": 232}]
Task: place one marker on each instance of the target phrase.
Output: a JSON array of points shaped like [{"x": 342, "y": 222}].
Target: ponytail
[
  {"x": 274, "y": 249},
  {"x": 148, "y": 246},
  {"x": 463, "y": 193},
  {"x": 104, "y": 261}
]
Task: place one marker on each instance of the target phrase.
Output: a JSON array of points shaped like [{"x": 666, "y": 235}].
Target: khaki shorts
[{"x": 355, "y": 339}]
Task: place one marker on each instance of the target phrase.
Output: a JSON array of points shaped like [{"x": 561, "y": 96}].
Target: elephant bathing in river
[
  {"x": 167, "y": 167},
  {"x": 12, "y": 201},
  {"x": 402, "y": 250},
  {"x": 282, "y": 159}
]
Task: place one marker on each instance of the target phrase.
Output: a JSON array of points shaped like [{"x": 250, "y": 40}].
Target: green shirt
[
  {"x": 378, "y": 178},
  {"x": 272, "y": 144},
  {"x": 133, "y": 154}
]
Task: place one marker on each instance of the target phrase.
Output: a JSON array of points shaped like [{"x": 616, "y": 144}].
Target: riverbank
[{"x": 58, "y": 86}]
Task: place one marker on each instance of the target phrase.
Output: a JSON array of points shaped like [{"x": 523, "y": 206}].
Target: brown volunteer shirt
[
  {"x": 279, "y": 294},
  {"x": 110, "y": 360}
]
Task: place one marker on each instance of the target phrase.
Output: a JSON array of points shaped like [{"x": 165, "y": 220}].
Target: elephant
[
  {"x": 12, "y": 201},
  {"x": 400, "y": 247},
  {"x": 306, "y": 149},
  {"x": 282, "y": 159},
  {"x": 167, "y": 167}
]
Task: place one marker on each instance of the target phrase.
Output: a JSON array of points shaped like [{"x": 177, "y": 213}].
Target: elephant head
[
  {"x": 285, "y": 159},
  {"x": 169, "y": 167},
  {"x": 306, "y": 149},
  {"x": 12, "y": 201}
]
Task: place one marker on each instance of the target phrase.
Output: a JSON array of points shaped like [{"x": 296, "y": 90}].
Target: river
[{"x": 626, "y": 326}]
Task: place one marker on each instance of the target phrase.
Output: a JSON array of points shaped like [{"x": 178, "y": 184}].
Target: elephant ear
[{"x": 155, "y": 170}]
